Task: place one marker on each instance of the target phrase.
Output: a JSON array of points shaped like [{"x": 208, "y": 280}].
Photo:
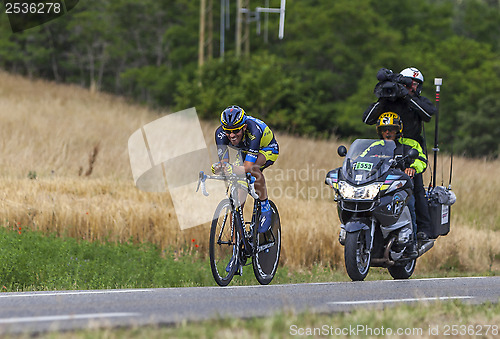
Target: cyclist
[
  {"x": 390, "y": 127},
  {"x": 257, "y": 149}
]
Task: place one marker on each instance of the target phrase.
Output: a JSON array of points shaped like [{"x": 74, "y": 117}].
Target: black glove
[
  {"x": 390, "y": 90},
  {"x": 384, "y": 74}
]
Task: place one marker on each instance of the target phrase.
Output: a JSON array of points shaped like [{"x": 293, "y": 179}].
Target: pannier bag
[{"x": 440, "y": 200}]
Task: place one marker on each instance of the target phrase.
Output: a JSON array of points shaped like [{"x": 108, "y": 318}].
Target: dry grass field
[{"x": 75, "y": 143}]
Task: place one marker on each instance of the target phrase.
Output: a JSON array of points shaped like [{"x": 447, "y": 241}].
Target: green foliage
[
  {"x": 33, "y": 261},
  {"x": 478, "y": 132},
  {"x": 258, "y": 84},
  {"x": 475, "y": 19},
  {"x": 317, "y": 81}
]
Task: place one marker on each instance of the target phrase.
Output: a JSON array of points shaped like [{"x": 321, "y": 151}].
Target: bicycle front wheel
[
  {"x": 267, "y": 254},
  {"x": 223, "y": 240}
]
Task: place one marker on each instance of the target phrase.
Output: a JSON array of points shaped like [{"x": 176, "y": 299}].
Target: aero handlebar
[{"x": 233, "y": 178}]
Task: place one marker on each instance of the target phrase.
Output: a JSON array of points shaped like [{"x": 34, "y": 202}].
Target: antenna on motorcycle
[{"x": 437, "y": 82}]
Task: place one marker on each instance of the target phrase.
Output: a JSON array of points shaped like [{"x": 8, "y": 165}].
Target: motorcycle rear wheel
[
  {"x": 356, "y": 256},
  {"x": 403, "y": 272}
]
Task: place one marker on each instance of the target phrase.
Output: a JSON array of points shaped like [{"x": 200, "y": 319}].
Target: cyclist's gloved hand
[
  {"x": 216, "y": 167},
  {"x": 228, "y": 169},
  {"x": 220, "y": 166}
]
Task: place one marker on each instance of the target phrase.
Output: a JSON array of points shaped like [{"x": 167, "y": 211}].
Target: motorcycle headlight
[{"x": 368, "y": 192}]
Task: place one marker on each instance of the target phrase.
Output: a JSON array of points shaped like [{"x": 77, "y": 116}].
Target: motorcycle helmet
[
  {"x": 232, "y": 118},
  {"x": 388, "y": 119},
  {"x": 414, "y": 74}
]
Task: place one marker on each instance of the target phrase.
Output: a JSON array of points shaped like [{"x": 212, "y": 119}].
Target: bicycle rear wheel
[
  {"x": 266, "y": 257},
  {"x": 223, "y": 249}
]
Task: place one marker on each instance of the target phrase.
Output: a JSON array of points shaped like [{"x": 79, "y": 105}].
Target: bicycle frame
[
  {"x": 249, "y": 247},
  {"x": 233, "y": 187}
]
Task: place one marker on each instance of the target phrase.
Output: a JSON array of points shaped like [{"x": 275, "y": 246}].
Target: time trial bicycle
[{"x": 233, "y": 240}]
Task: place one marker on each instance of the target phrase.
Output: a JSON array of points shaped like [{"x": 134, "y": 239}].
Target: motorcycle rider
[
  {"x": 400, "y": 93},
  {"x": 390, "y": 127}
]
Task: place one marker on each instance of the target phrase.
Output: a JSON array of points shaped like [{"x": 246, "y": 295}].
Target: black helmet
[{"x": 233, "y": 118}]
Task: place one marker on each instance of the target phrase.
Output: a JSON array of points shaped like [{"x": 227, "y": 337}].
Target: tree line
[{"x": 317, "y": 81}]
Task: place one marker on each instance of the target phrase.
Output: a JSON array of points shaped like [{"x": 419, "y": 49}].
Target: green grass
[{"x": 34, "y": 261}]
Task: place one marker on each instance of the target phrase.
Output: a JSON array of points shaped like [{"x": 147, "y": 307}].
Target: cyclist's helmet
[
  {"x": 390, "y": 119},
  {"x": 414, "y": 74},
  {"x": 233, "y": 118}
]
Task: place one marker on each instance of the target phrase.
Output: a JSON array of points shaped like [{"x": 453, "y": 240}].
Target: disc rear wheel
[{"x": 266, "y": 257}]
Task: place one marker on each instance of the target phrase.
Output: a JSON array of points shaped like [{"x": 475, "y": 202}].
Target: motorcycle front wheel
[
  {"x": 403, "y": 272},
  {"x": 356, "y": 255}
]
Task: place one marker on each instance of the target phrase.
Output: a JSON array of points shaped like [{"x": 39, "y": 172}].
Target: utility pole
[
  {"x": 206, "y": 28},
  {"x": 243, "y": 7},
  {"x": 246, "y": 34},
  {"x": 244, "y": 16},
  {"x": 267, "y": 10},
  {"x": 224, "y": 24}
]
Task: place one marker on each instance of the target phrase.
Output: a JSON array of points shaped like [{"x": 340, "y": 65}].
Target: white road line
[
  {"x": 445, "y": 278},
  {"x": 402, "y": 281},
  {"x": 65, "y": 317},
  {"x": 359, "y": 302},
  {"x": 51, "y": 294}
]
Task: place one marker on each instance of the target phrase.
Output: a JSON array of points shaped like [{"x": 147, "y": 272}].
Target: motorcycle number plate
[{"x": 364, "y": 166}]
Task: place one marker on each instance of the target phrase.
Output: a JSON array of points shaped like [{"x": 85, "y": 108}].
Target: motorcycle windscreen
[{"x": 367, "y": 159}]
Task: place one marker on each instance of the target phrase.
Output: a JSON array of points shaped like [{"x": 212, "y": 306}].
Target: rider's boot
[
  {"x": 229, "y": 266},
  {"x": 265, "y": 216},
  {"x": 239, "y": 270},
  {"x": 422, "y": 238},
  {"x": 412, "y": 250},
  {"x": 234, "y": 261}
]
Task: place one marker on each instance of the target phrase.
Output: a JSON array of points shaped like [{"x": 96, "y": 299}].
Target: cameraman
[{"x": 400, "y": 93}]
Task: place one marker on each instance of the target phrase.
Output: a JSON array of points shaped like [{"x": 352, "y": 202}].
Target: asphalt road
[{"x": 65, "y": 310}]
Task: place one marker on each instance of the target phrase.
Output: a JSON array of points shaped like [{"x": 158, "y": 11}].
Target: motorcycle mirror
[
  {"x": 413, "y": 154},
  {"x": 342, "y": 151}
]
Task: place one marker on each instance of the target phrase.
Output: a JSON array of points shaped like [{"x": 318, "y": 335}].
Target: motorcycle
[{"x": 372, "y": 196}]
